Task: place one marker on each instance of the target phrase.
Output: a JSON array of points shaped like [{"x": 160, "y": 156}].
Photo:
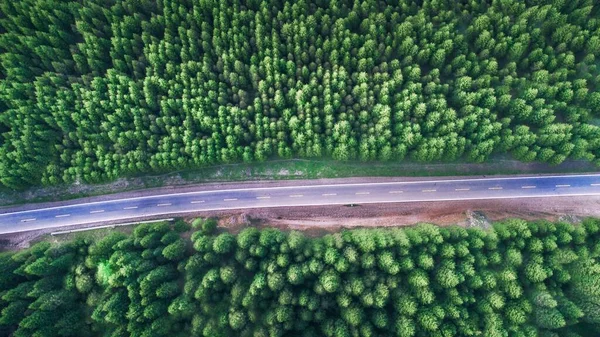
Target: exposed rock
[{"x": 477, "y": 219}]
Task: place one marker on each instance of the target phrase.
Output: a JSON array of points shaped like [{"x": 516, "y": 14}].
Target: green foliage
[
  {"x": 94, "y": 90},
  {"x": 455, "y": 280},
  {"x": 526, "y": 279},
  {"x": 139, "y": 284},
  {"x": 197, "y": 223},
  {"x": 209, "y": 226},
  {"x": 44, "y": 291}
]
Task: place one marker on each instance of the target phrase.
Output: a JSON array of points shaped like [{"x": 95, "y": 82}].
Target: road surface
[{"x": 339, "y": 194}]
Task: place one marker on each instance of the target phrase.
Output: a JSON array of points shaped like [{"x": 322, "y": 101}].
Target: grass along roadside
[{"x": 289, "y": 170}]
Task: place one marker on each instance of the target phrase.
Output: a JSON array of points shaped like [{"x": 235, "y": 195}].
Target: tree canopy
[
  {"x": 96, "y": 89},
  {"x": 515, "y": 279}
]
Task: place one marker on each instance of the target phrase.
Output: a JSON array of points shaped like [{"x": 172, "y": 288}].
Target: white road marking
[
  {"x": 529, "y": 186},
  {"x": 553, "y": 195},
  {"x": 296, "y": 196},
  {"x": 62, "y": 216},
  {"x": 563, "y": 185},
  {"x": 362, "y": 193},
  {"x": 462, "y": 189},
  {"x": 165, "y": 204},
  {"x": 396, "y": 192},
  {"x": 232, "y": 199},
  {"x": 426, "y": 191},
  {"x": 495, "y": 188},
  {"x": 328, "y": 194},
  {"x": 98, "y": 211},
  {"x": 28, "y": 220},
  {"x": 263, "y": 197},
  {"x": 196, "y": 201},
  {"x": 130, "y": 207},
  {"x": 308, "y": 186},
  {"x": 594, "y": 184}
]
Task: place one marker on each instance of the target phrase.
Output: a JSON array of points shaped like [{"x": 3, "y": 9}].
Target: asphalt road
[{"x": 341, "y": 194}]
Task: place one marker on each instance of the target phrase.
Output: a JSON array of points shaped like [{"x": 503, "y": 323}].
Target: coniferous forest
[
  {"x": 92, "y": 90},
  {"x": 518, "y": 279}
]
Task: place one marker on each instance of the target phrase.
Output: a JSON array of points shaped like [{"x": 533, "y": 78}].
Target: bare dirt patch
[
  {"x": 317, "y": 220},
  {"x": 475, "y": 213}
]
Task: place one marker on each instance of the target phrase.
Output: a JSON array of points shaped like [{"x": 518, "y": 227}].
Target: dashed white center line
[
  {"x": 28, "y": 220},
  {"x": 563, "y": 185},
  {"x": 98, "y": 211},
  {"x": 427, "y": 191},
  {"x": 232, "y": 199},
  {"x": 362, "y": 193},
  {"x": 495, "y": 188},
  {"x": 328, "y": 194},
  {"x": 263, "y": 197},
  {"x": 62, "y": 216},
  {"x": 162, "y": 205},
  {"x": 196, "y": 201},
  {"x": 296, "y": 196},
  {"x": 395, "y": 192},
  {"x": 527, "y": 186},
  {"x": 462, "y": 189},
  {"x": 130, "y": 207},
  {"x": 594, "y": 184}
]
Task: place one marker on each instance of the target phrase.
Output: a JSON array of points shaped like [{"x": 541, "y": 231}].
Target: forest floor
[
  {"x": 319, "y": 220},
  {"x": 283, "y": 170}
]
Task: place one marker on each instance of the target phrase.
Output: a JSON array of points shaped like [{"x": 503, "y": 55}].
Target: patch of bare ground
[
  {"x": 472, "y": 213},
  {"x": 318, "y": 220}
]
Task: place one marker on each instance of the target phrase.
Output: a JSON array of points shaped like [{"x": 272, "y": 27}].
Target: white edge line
[
  {"x": 305, "y": 186},
  {"x": 323, "y": 204}
]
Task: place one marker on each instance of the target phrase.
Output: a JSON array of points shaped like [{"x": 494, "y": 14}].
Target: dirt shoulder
[
  {"x": 463, "y": 213},
  {"x": 317, "y": 220}
]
